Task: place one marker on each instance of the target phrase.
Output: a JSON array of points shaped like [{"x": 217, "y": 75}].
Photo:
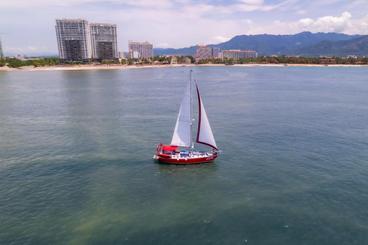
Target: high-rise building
[
  {"x": 216, "y": 52},
  {"x": 104, "y": 41},
  {"x": 1, "y": 51},
  {"x": 203, "y": 52},
  {"x": 74, "y": 40},
  {"x": 237, "y": 54},
  {"x": 140, "y": 50}
]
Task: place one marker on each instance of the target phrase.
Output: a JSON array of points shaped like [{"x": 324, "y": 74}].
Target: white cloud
[
  {"x": 360, "y": 26},
  {"x": 327, "y": 23},
  {"x": 344, "y": 23},
  {"x": 220, "y": 39},
  {"x": 65, "y": 3},
  {"x": 200, "y": 6},
  {"x": 238, "y": 6},
  {"x": 146, "y": 3}
]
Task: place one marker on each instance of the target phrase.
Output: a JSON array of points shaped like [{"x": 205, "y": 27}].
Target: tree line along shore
[{"x": 166, "y": 60}]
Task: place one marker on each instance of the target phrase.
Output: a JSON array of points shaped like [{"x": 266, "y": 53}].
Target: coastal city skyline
[
  {"x": 177, "y": 24},
  {"x": 79, "y": 40}
]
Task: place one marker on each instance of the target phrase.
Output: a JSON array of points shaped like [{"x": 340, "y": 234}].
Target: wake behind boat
[{"x": 181, "y": 150}]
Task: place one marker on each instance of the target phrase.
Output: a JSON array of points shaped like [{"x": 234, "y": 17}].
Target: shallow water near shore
[{"x": 76, "y": 157}]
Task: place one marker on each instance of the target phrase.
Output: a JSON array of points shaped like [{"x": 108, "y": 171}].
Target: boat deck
[{"x": 185, "y": 157}]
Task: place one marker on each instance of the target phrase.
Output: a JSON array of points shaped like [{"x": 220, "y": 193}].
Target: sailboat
[{"x": 181, "y": 150}]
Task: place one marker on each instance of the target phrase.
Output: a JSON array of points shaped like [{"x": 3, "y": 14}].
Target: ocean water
[{"x": 76, "y": 157}]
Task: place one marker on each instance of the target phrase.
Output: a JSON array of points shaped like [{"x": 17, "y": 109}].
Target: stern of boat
[{"x": 158, "y": 150}]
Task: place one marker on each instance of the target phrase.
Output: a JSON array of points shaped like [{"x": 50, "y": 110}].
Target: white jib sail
[
  {"x": 183, "y": 133},
  {"x": 204, "y": 133}
]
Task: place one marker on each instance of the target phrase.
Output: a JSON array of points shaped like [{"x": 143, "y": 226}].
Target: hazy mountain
[
  {"x": 266, "y": 44},
  {"x": 357, "y": 46}
]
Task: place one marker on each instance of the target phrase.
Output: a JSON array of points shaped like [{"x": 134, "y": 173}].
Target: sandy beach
[
  {"x": 86, "y": 67},
  {"x": 123, "y": 67}
]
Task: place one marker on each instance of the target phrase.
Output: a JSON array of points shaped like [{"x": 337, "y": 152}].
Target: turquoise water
[{"x": 76, "y": 149}]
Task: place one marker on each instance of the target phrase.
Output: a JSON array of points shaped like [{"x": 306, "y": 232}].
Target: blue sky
[{"x": 27, "y": 26}]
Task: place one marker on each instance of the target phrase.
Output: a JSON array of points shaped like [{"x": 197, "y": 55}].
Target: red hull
[
  {"x": 171, "y": 155},
  {"x": 186, "y": 161}
]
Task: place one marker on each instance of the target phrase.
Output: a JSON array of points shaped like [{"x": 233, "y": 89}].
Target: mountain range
[{"x": 304, "y": 43}]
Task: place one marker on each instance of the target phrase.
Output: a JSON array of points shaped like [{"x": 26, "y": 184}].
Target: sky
[{"x": 28, "y": 26}]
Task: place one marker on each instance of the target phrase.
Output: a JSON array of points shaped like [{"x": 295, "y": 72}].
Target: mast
[
  {"x": 191, "y": 110},
  {"x": 182, "y": 135}
]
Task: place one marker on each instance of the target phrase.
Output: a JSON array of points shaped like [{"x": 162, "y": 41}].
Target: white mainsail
[
  {"x": 183, "y": 129},
  {"x": 204, "y": 133}
]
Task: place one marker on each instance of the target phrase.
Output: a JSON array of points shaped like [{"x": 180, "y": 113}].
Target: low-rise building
[
  {"x": 173, "y": 60},
  {"x": 327, "y": 60},
  {"x": 140, "y": 50},
  {"x": 187, "y": 60},
  {"x": 203, "y": 52},
  {"x": 237, "y": 54}
]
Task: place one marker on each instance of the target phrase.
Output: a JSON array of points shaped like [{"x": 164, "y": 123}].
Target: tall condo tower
[
  {"x": 104, "y": 41},
  {"x": 73, "y": 37},
  {"x": 140, "y": 50}
]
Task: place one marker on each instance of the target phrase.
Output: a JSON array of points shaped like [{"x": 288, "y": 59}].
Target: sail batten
[
  {"x": 204, "y": 131},
  {"x": 182, "y": 135}
]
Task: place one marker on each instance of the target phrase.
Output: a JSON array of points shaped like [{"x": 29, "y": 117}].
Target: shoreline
[{"x": 125, "y": 67}]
